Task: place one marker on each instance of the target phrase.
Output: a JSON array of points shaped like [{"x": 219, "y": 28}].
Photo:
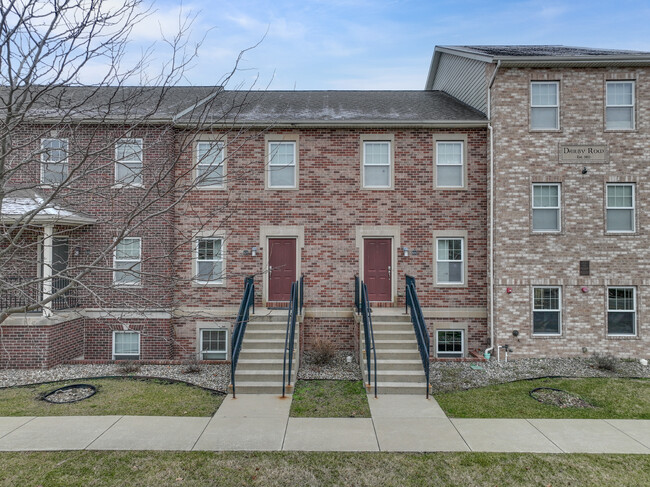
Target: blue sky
[{"x": 379, "y": 44}]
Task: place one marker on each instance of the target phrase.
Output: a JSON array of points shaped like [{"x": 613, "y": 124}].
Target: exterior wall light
[
  {"x": 254, "y": 251},
  {"x": 509, "y": 290},
  {"x": 406, "y": 251},
  {"x": 585, "y": 289}
]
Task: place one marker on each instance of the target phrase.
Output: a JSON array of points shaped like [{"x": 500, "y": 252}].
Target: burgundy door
[
  {"x": 282, "y": 268},
  {"x": 376, "y": 268}
]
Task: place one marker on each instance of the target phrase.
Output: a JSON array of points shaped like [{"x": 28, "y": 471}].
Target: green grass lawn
[
  {"x": 114, "y": 397},
  {"x": 96, "y": 469},
  {"x": 612, "y": 398},
  {"x": 329, "y": 399}
]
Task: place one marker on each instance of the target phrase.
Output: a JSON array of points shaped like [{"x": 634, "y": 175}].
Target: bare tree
[{"x": 88, "y": 170}]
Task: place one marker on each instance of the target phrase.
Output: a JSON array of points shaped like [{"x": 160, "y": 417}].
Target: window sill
[
  {"x": 379, "y": 188},
  {"x": 208, "y": 284},
  {"x": 544, "y": 131},
  {"x": 210, "y": 188},
  {"x": 616, "y": 131},
  {"x": 546, "y": 232},
  {"x": 274, "y": 188},
  {"x": 623, "y": 337},
  {"x": 547, "y": 335},
  {"x": 619, "y": 234},
  {"x": 126, "y": 186},
  {"x": 127, "y": 286},
  {"x": 450, "y": 188},
  {"x": 451, "y": 285}
]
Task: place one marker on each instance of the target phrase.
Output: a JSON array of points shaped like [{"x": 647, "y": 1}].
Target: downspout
[{"x": 489, "y": 116}]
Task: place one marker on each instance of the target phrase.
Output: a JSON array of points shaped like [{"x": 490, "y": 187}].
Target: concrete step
[
  {"x": 406, "y": 364},
  {"x": 391, "y": 326},
  {"x": 268, "y": 343},
  {"x": 267, "y": 326},
  {"x": 397, "y": 354},
  {"x": 247, "y": 376},
  {"x": 399, "y": 334},
  {"x": 382, "y": 344},
  {"x": 270, "y": 364},
  {"x": 254, "y": 334},
  {"x": 262, "y": 388},
  {"x": 394, "y": 317},
  {"x": 399, "y": 375},
  {"x": 261, "y": 354}
]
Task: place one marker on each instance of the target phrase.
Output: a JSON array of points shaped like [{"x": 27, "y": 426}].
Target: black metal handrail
[
  {"x": 419, "y": 326},
  {"x": 18, "y": 292},
  {"x": 294, "y": 303},
  {"x": 248, "y": 301},
  {"x": 357, "y": 293},
  {"x": 368, "y": 332},
  {"x": 302, "y": 292}
]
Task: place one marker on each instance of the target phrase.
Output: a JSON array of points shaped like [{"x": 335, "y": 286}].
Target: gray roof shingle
[
  {"x": 313, "y": 107},
  {"x": 545, "y": 50}
]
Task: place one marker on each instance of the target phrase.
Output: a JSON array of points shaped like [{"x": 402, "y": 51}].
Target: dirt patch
[{"x": 559, "y": 398}]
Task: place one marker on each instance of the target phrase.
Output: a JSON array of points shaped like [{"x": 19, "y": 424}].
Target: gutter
[
  {"x": 490, "y": 129},
  {"x": 344, "y": 124}
]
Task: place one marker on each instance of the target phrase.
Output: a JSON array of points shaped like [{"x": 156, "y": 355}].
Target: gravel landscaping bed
[
  {"x": 452, "y": 376},
  {"x": 216, "y": 377},
  {"x": 337, "y": 369}
]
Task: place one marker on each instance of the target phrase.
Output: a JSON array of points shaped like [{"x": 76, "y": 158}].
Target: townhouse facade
[{"x": 512, "y": 189}]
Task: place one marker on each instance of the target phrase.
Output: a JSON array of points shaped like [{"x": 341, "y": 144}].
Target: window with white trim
[
  {"x": 127, "y": 262},
  {"x": 449, "y": 164},
  {"x": 209, "y": 260},
  {"x": 54, "y": 161},
  {"x": 126, "y": 345},
  {"x": 546, "y": 207},
  {"x": 128, "y": 162},
  {"x": 544, "y": 105},
  {"x": 619, "y": 108},
  {"x": 449, "y": 343},
  {"x": 621, "y": 311},
  {"x": 620, "y": 208},
  {"x": 547, "y": 310},
  {"x": 214, "y": 344},
  {"x": 282, "y": 165},
  {"x": 209, "y": 164},
  {"x": 377, "y": 164},
  {"x": 449, "y": 261}
]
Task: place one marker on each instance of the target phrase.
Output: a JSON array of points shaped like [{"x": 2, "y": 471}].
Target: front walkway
[{"x": 261, "y": 422}]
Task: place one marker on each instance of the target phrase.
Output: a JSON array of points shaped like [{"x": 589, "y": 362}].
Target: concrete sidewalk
[{"x": 261, "y": 422}]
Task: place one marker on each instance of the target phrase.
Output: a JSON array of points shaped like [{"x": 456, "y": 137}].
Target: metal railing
[
  {"x": 295, "y": 303},
  {"x": 364, "y": 308},
  {"x": 248, "y": 301},
  {"x": 20, "y": 292},
  {"x": 419, "y": 326}
]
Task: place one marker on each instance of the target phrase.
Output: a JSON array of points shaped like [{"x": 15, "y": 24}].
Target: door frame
[
  {"x": 391, "y": 232},
  {"x": 271, "y": 231}
]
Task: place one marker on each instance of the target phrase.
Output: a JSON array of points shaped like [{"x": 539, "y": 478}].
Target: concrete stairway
[
  {"x": 399, "y": 366},
  {"x": 259, "y": 370}
]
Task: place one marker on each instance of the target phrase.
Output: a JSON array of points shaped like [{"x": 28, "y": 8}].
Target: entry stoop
[
  {"x": 259, "y": 370},
  {"x": 399, "y": 366}
]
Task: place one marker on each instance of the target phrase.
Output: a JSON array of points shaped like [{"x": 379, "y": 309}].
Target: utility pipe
[{"x": 489, "y": 116}]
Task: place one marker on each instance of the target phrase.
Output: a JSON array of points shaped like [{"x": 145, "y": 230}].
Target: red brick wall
[{"x": 156, "y": 340}]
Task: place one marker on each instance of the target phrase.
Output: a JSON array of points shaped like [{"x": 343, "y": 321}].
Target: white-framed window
[
  {"x": 126, "y": 345},
  {"x": 620, "y": 208},
  {"x": 377, "y": 164},
  {"x": 450, "y": 257},
  {"x": 128, "y": 162},
  {"x": 214, "y": 344},
  {"x": 619, "y": 108},
  {"x": 209, "y": 260},
  {"x": 544, "y": 105},
  {"x": 547, "y": 310},
  {"x": 546, "y": 207},
  {"x": 209, "y": 164},
  {"x": 621, "y": 311},
  {"x": 282, "y": 165},
  {"x": 127, "y": 262},
  {"x": 54, "y": 161},
  {"x": 450, "y": 343},
  {"x": 449, "y": 164}
]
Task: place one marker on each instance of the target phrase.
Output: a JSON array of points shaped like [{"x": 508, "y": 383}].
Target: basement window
[
  {"x": 214, "y": 344},
  {"x": 449, "y": 343},
  {"x": 126, "y": 345}
]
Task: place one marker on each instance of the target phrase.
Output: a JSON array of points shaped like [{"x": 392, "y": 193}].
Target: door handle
[
  {"x": 270, "y": 271},
  {"x": 388, "y": 271}
]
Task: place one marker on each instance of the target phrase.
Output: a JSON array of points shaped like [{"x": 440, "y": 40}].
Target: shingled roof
[
  {"x": 339, "y": 107},
  {"x": 544, "y": 50}
]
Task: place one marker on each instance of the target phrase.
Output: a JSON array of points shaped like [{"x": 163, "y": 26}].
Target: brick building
[
  {"x": 569, "y": 138},
  {"x": 333, "y": 185}
]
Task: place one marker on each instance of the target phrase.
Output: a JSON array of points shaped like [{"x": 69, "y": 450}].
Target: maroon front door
[
  {"x": 282, "y": 268},
  {"x": 376, "y": 268}
]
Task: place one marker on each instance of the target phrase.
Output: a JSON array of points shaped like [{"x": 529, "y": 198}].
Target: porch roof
[{"x": 35, "y": 209}]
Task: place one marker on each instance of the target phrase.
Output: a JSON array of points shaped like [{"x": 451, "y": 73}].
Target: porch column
[{"x": 48, "y": 231}]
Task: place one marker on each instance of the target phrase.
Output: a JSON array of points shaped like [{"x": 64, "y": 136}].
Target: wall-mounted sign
[{"x": 584, "y": 154}]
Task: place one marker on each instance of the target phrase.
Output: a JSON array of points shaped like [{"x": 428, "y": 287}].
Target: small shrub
[
  {"x": 128, "y": 367},
  {"x": 192, "y": 367},
  {"x": 323, "y": 352},
  {"x": 604, "y": 362}
]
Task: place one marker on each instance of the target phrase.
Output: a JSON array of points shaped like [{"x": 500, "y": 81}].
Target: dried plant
[{"x": 323, "y": 352}]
